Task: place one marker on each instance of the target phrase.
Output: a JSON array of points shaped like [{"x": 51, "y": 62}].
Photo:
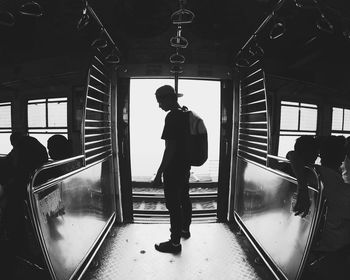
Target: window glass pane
[
  {"x": 337, "y": 119},
  {"x": 308, "y": 119},
  {"x": 36, "y": 115},
  {"x": 286, "y": 144},
  {"x": 347, "y": 120},
  {"x": 57, "y": 114},
  {"x": 5, "y": 116},
  {"x": 5, "y": 144},
  {"x": 289, "y": 118}
]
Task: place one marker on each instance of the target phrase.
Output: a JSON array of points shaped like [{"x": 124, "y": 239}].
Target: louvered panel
[
  {"x": 251, "y": 150},
  {"x": 252, "y": 144},
  {"x": 258, "y": 106},
  {"x": 261, "y": 132},
  {"x": 252, "y": 157},
  {"x": 253, "y": 121},
  {"x": 97, "y": 157},
  {"x": 99, "y": 130},
  {"x": 97, "y": 143},
  {"x": 98, "y": 116},
  {"x": 252, "y": 125},
  {"x": 254, "y": 117},
  {"x": 97, "y": 125},
  {"x": 96, "y": 137},
  {"x": 97, "y": 105},
  {"x": 254, "y": 138}
]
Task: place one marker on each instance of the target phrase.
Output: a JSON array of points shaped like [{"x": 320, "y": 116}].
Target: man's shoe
[
  {"x": 185, "y": 234},
  {"x": 168, "y": 247}
]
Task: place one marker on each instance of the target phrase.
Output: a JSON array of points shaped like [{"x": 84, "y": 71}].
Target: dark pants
[{"x": 177, "y": 199}]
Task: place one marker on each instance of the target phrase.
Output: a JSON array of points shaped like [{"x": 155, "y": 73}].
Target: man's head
[
  {"x": 166, "y": 97},
  {"x": 333, "y": 151},
  {"x": 307, "y": 147},
  {"x": 15, "y": 137}
]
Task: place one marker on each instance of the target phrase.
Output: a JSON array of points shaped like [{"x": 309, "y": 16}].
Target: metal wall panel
[
  {"x": 71, "y": 214},
  {"x": 263, "y": 206}
]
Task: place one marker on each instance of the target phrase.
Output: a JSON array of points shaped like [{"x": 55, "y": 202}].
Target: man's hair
[
  {"x": 332, "y": 151},
  {"x": 307, "y": 147},
  {"x": 15, "y": 137}
]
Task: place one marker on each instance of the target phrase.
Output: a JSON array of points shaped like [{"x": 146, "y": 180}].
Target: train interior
[{"x": 260, "y": 73}]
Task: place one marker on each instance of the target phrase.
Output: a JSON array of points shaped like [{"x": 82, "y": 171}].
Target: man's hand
[
  {"x": 302, "y": 204},
  {"x": 157, "y": 182}
]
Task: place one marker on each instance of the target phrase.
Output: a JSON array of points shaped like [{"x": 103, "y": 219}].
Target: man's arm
[
  {"x": 168, "y": 155},
  {"x": 302, "y": 204}
]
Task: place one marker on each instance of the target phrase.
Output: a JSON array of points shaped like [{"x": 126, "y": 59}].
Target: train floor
[{"x": 214, "y": 251}]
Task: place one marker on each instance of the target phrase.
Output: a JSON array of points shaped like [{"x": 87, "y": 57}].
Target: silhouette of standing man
[{"x": 175, "y": 169}]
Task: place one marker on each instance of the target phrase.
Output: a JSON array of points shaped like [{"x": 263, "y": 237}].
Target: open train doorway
[{"x": 146, "y": 147}]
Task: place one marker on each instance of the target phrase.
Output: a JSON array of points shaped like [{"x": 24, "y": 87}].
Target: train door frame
[{"x": 225, "y": 149}]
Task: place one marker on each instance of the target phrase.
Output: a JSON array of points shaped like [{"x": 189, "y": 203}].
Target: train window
[
  {"x": 341, "y": 121},
  {"x": 5, "y": 127},
  {"x": 296, "y": 119},
  {"x": 47, "y": 117}
]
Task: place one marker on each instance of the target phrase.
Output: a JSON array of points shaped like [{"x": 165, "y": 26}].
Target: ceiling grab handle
[
  {"x": 177, "y": 58},
  {"x": 178, "y": 41},
  {"x": 182, "y": 16}
]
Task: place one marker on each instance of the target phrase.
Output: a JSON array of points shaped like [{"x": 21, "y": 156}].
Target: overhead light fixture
[
  {"x": 179, "y": 41},
  {"x": 84, "y": 20},
  {"x": 7, "y": 19},
  {"x": 177, "y": 58},
  {"x": 324, "y": 24},
  {"x": 278, "y": 29},
  {"x": 182, "y": 16},
  {"x": 32, "y": 9},
  {"x": 113, "y": 57}
]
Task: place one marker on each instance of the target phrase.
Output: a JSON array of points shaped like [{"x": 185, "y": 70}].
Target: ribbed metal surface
[
  {"x": 97, "y": 128},
  {"x": 213, "y": 252},
  {"x": 253, "y": 128}
]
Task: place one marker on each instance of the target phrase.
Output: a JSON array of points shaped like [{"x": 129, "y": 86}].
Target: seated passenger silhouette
[
  {"x": 59, "y": 147},
  {"x": 336, "y": 233},
  {"x": 305, "y": 153},
  {"x": 345, "y": 167},
  {"x": 27, "y": 156}
]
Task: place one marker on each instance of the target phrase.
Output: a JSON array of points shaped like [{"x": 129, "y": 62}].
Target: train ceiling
[{"x": 304, "y": 39}]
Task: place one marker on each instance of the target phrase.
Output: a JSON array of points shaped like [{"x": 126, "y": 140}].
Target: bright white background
[{"x": 147, "y": 122}]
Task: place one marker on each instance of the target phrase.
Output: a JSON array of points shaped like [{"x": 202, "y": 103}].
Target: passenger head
[
  {"x": 306, "y": 147},
  {"x": 332, "y": 151},
  {"x": 347, "y": 146},
  {"x": 59, "y": 147},
  {"x": 166, "y": 97},
  {"x": 15, "y": 138},
  {"x": 29, "y": 154}
]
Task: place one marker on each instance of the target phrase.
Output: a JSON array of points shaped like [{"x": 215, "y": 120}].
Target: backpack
[{"x": 198, "y": 140}]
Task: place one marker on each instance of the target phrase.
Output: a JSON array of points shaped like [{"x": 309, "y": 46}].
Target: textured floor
[{"x": 213, "y": 252}]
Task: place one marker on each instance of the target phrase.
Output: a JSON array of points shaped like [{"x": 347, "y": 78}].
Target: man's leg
[
  {"x": 186, "y": 207},
  {"x": 173, "y": 204}
]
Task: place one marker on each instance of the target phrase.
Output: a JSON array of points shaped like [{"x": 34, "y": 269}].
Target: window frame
[
  {"x": 346, "y": 133},
  {"x": 296, "y": 132},
  {"x": 7, "y": 130}
]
